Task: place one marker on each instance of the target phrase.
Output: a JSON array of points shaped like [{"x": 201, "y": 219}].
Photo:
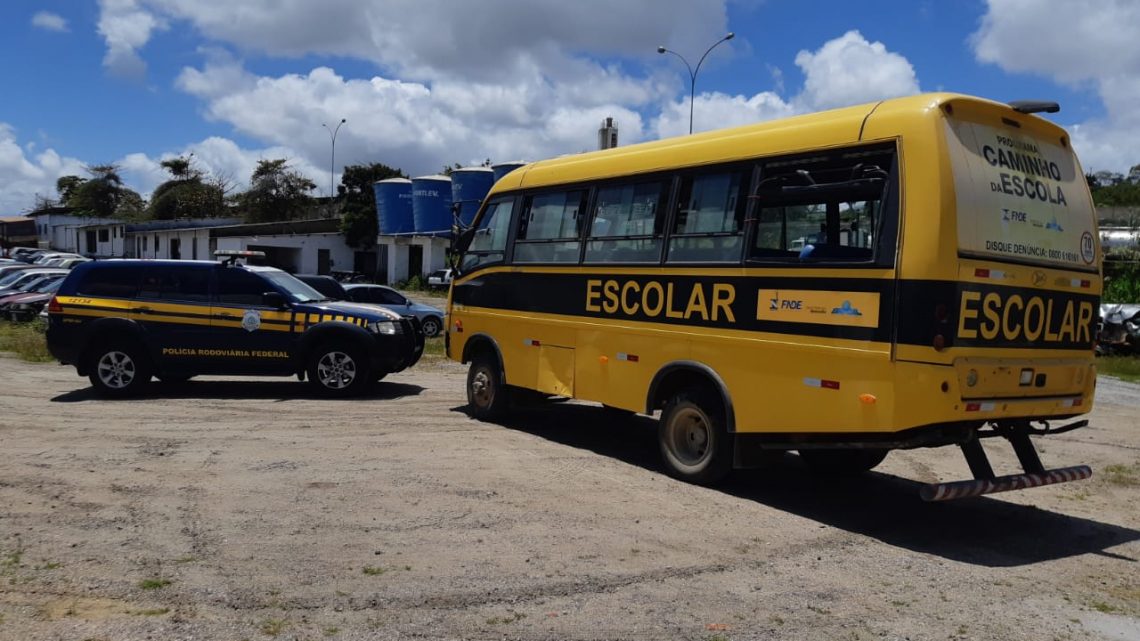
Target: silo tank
[
  {"x": 503, "y": 168},
  {"x": 394, "y": 205},
  {"x": 431, "y": 204},
  {"x": 469, "y": 186}
]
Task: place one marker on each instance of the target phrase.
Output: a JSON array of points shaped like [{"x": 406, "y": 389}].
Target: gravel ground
[{"x": 246, "y": 509}]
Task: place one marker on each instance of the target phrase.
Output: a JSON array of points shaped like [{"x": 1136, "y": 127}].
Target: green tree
[
  {"x": 66, "y": 186},
  {"x": 186, "y": 194},
  {"x": 276, "y": 192},
  {"x": 103, "y": 195},
  {"x": 358, "y": 221}
]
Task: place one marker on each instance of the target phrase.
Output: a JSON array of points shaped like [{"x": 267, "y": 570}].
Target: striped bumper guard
[{"x": 966, "y": 489}]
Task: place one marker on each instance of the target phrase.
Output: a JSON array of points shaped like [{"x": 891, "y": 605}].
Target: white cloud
[
  {"x": 845, "y": 71},
  {"x": 849, "y": 70},
  {"x": 1096, "y": 47},
  {"x": 49, "y": 21},
  {"x": 432, "y": 39},
  {"x": 24, "y": 176},
  {"x": 414, "y": 126},
  {"x": 126, "y": 26}
]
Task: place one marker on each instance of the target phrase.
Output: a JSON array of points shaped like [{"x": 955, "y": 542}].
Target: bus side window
[
  {"x": 490, "y": 242},
  {"x": 549, "y": 228},
  {"x": 709, "y": 226},
  {"x": 821, "y": 208},
  {"x": 628, "y": 223}
]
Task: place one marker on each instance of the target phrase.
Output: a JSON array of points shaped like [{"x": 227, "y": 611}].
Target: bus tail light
[{"x": 54, "y": 307}]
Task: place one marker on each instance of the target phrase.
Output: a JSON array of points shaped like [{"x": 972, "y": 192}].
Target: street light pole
[
  {"x": 332, "y": 156},
  {"x": 693, "y": 72}
]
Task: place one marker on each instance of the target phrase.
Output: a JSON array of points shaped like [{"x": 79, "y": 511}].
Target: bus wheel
[
  {"x": 694, "y": 442},
  {"x": 843, "y": 462},
  {"x": 487, "y": 396}
]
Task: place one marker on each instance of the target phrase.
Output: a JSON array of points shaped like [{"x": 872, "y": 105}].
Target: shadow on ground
[
  {"x": 981, "y": 531},
  {"x": 285, "y": 389}
]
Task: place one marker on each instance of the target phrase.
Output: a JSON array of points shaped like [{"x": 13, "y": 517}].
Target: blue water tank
[
  {"x": 431, "y": 204},
  {"x": 503, "y": 168},
  {"x": 469, "y": 186},
  {"x": 394, "y": 205}
]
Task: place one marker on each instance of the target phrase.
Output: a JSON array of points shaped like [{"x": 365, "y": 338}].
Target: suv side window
[
  {"x": 190, "y": 284},
  {"x": 111, "y": 281},
  {"x": 239, "y": 287}
]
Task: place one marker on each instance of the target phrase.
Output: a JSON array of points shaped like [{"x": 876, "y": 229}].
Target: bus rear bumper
[{"x": 978, "y": 487}]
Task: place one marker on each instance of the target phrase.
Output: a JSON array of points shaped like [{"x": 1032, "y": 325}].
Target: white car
[{"x": 439, "y": 278}]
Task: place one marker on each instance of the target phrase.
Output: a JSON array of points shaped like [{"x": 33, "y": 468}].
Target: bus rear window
[{"x": 1021, "y": 198}]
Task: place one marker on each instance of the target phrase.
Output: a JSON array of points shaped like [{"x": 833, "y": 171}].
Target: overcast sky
[{"x": 424, "y": 83}]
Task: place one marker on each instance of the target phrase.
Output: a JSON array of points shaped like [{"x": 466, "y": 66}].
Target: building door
[
  {"x": 175, "y": 249},
  {"x": 415, "y": 261},
  {"x": 323, "y": 266},
  {"x": 91, "y": 244},
  {"x": 364, "y": 263}
]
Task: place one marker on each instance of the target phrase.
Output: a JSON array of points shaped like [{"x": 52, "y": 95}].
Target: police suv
[{"x": 120, "y": 322}]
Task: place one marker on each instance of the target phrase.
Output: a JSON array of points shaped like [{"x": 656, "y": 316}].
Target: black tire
[
  {"x": 488, "y": 397},
  {"x": 119, "y": 370},
  {"x": 843, "y": 462},
  {"x": 694, "y": 440},
  {"x": 432, "y": 325},
  {"x": 338, "y": 369}
]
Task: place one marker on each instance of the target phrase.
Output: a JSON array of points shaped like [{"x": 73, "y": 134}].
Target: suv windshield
[{"x": 297, "y": 291}]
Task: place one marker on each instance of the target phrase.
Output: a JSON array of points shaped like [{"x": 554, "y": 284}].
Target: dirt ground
[{"x": 246, "y": 509}]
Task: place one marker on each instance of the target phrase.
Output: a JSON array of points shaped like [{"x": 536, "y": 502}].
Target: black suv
[{"x": 122, "y": 321}]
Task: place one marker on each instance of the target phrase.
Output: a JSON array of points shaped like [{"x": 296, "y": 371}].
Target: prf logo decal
[{"x": 251, "y": 320}]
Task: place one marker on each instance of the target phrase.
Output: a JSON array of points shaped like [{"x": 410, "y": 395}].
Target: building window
[{"x": 104, "y": 235}]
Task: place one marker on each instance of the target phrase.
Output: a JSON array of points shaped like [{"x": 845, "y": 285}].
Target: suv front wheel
[
  {"x": 118, "y": 370},
  {"x": 339, "y": 369}
]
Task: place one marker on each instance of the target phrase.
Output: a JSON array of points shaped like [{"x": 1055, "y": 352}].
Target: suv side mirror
[{"x": 273, "y": 299}]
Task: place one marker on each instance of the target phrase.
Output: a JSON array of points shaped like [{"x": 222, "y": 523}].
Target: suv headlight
[{"x": 387, "y": 327}]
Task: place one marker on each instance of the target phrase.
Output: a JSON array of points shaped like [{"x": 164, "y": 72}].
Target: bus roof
[{"x": 809, "y": 131}]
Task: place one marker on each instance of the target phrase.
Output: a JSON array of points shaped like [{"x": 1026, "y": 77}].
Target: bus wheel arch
[
  {"x": 488, "y": 396},
  {"x": 695, "y": 431}
]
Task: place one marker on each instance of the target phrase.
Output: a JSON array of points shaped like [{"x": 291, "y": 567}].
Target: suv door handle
[
  {"x": 143, "y": 310},
  {"x": 225, "y": 315}
]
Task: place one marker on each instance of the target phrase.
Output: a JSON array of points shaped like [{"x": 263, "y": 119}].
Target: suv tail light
[{"x": 54, "y": 307}]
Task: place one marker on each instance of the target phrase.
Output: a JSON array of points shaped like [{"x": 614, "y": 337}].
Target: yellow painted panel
[{"x": 555, "y": 370}]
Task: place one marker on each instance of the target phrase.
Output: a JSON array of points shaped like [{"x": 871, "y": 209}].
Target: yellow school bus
[{"x": 916, "y": 272}]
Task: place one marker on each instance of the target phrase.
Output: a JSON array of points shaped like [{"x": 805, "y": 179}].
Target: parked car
[
  {"x": 431, "y": 318},
  {"x": 25, "y": 307},
  {"x": 34, "y": 285},
  {"x": 20, "y": 281},
  {"x": 326, "y": 285},
  {"x": 68, "y": 263},
  {"x": 440, "y": 278},
  {"x": 7, "y": 270},
  {"x": 47, "y": 256},
  {"x": 21, "y": 253},
  {"x": 120, "y": 322}
]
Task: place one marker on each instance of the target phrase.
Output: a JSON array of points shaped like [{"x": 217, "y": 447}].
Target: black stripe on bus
[{"x": 924, "y": 310}]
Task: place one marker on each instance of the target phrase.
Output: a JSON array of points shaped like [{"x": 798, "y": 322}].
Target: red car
[{"x": 25, "y": 306}]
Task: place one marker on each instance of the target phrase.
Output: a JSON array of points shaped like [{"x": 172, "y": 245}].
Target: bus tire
[
  {"x": 694, "y": 441},
  {"x": 488, "y": 398},
  {"x": 843, "y": 461}
]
